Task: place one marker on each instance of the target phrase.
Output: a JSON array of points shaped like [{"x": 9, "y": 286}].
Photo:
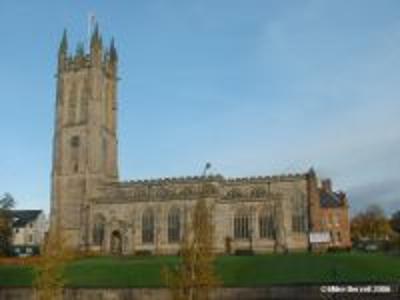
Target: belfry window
[
  {"x": 75, "y": 142},
  {"x": 174, "y": 226},
  {"x": 72, "y": 104},
  {"x": 242, "y": 225},
  {"x": 148, "y": 226}
]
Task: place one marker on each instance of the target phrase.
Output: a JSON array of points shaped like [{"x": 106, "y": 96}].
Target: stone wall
[
  {"x": 163, "y": 294},
  {"x": 306, "y": 292}
]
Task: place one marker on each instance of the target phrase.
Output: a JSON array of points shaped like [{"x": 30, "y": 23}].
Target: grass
[
  {"x": 247, "y": 271},
  {"x": 16, "y": 275}
]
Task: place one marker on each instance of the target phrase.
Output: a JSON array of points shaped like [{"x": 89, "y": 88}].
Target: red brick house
[{"x": 329, "y": 211}]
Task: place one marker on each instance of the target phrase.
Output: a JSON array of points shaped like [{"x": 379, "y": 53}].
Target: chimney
[{"x": 327, "y": 185}]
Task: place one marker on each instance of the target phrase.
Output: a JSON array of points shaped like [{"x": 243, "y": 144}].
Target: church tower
[{"x": 85, "y": 137}]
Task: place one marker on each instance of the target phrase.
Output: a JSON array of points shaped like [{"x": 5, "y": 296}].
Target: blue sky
[{"x": 254, "y": 87}]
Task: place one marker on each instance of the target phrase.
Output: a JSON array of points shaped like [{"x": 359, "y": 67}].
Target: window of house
[
  {"x": 337, "y": 219},
  {"x": 330, "y": 219},
  {"x": 339, "y": 237},
  {"x": 30, "y": 238},
  {"x": 332, "y": 237}
]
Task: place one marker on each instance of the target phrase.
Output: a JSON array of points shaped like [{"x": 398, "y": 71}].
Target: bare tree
[
  {"x": 50, "y": 270},
  {"x": 395, "y": 222},
  {"x": 7, "y": 203},
  {"x": 371, "y": 223},
  {"x": 195, "y": 277}
]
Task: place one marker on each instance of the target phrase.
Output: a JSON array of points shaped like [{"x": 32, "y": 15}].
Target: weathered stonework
[{"x": 95, "y": 211}]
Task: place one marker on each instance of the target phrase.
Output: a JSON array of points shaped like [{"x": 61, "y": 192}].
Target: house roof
[
  {"x": 22, "y": 217},
  {"x": 332, "y": 199}
]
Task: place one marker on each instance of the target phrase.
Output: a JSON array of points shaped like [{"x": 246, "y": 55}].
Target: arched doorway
[{"x": 116, "y": 242}]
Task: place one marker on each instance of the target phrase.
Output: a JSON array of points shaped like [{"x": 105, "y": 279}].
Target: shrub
[
  {"x": 143, "y": 253},
  {"x": 244, "y": 252}
]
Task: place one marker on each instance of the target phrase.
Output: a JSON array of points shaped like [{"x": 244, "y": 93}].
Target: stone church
[{"x": 95, "y": 211}]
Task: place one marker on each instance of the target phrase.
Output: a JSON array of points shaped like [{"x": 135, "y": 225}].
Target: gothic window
[
  {"x": 148, "y": 226},
  {"x": 298, "y": 215},
  {"x": 266, "y": 225},
  {"x": 98, "y": 230},
  {"x": 242, "y": 225},
  {"x": 84, "y": 101},
  {"x": 174, "y": 225}
]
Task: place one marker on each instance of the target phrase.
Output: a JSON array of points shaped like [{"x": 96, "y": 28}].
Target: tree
[
  {"x": 195, "y": 277},
  {"x": 370, "y": 224},
  {"x": 395, "y": 226},
  {"x": 7, "y": 202},
  {"x": 50, "y": 270},
  {"x": 395, "y": 222}
]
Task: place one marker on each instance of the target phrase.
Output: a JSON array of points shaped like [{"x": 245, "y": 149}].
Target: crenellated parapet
[
  {"x": 189, "y": 188},
  {"x": 219, "y": 178}
]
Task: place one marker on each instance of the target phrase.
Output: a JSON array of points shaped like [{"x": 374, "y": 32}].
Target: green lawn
[{"x": 233, "y": 270}]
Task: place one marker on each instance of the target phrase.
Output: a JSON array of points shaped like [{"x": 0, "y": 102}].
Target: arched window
[
  {"x": 84, "y": 101},
  {"x": 298, "y": 214},
  {"x": 148, "y": 226},
  {"x": 174, "y": 225},
  {"x": 98, "y": 230},
  {"x": 266, "y": 224},
  {"x": 242, "y": 225}
]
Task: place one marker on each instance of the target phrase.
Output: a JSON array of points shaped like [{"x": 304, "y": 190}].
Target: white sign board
[{"x": 320, "y": 237}]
